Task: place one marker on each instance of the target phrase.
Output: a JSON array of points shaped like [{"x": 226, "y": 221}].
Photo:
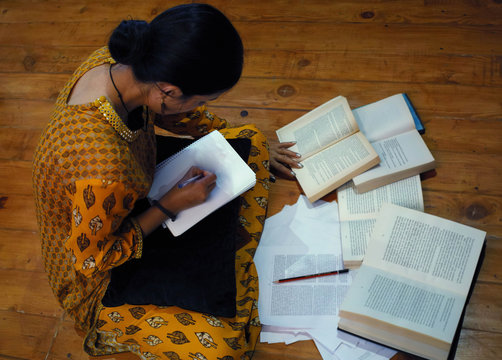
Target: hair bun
[{"x": 129, "y": 42}]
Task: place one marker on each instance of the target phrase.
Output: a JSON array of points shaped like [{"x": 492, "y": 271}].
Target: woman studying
[{"x": 96, "y": 159}]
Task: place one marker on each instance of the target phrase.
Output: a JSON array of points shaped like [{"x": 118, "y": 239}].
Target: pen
[
  {"x": 312, "y": 276},
  {"x": 191, "y": 180}
]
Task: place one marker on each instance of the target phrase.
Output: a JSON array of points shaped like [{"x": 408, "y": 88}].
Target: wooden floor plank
[
  {"x": 447, "y": 55},
  {"x": 43, "y": 59},
  {"x": 14, "y": 11},
  {"x": 413, "y": 12},
  {"x": 18, "y": 144},
  {"x": 20, "y": 250},
  {"x": 386, "y": 38},
  {"x": 16, "y": 175},
  {"x": 362, "y": 66},
  {"x": 456, "y": 135},
  {"x": 475, "y": 345},
  {"x": 28, "y": 292},
  {"x": 484, "y": 311},
  {"x": 472, "y": 102},
  {"x": 491, "y": 270},
  {"x": 303, "y": 350},
  {"x": 431, "y": 99},
  {"x": 25, "y": 114},
  {"x": 477, "y": 211},
  {"x": 442, "y": 133},
  {"x": 297, "y": 64},
  {"x": 477, "y": 171},
  {"x": 409, "y": 12},
  {"x": 17, "y": 212},
  {"x": 475, "y": 177},
  {"x": 67, "y": 344},
  {"x": 26, "y": 336}
]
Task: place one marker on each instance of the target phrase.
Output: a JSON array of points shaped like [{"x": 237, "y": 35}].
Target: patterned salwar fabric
[{"x": 88, "y": 173}]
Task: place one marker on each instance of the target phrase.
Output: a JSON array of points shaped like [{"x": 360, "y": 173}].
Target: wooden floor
[{"x": 446, "y": 54}]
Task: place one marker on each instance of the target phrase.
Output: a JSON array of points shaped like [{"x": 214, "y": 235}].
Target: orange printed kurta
[{"x": 89, "y": 170}]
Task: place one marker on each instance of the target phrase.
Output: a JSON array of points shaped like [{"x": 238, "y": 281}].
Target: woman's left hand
[{"x": 284, "y": 160}]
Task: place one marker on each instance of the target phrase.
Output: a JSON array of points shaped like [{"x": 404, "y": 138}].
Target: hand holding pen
[
  {"x": 204, "y": 179},
  {"x": 193, "y": 189},
  {"x": 189, "y": 181}
]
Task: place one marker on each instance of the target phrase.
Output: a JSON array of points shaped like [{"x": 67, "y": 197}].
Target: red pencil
[{"x": 303, "y": 277}]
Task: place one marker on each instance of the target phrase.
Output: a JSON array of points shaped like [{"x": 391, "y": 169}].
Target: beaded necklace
[
  {"x": 115, "y": 121},
  {"x": 113, "y": 118}
]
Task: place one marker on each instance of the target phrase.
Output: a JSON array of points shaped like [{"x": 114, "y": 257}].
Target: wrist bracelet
[{"x": 169, "y": 214}]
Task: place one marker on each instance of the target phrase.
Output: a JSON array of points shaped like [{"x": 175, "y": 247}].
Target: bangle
[{"x": 169, "y": 214}]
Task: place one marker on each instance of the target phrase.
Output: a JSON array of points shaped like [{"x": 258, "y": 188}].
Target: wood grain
[
  {"x": 21, "y": 252},
  {"x": 28, "y": 292},
  {"x": 314, "y": 64},
  {"x": 26, "y": 336},
  {"x": 472, "y": 102},
  {"x": 389, "y": 38},
  {"x": 446, "y": 55}
]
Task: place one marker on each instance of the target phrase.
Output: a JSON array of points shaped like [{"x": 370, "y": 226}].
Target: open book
[
  {"x": 332, "y": 147},
  {"x": 359, "y": 212},
  {"x": 412, "y": 288},
  {"x": 389, "y": 125},
  {"x": 213, "y": 153}
]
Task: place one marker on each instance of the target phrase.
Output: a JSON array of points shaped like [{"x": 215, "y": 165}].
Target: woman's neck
[{"x": 124, "y": 91}]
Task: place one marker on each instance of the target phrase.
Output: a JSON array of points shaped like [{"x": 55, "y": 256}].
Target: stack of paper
[{"x": 305, "y": 239}]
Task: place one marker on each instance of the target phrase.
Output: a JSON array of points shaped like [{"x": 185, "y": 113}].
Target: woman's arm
[
  {"x": 178, "y": 199},
  {"x": 104, "y": 235}
]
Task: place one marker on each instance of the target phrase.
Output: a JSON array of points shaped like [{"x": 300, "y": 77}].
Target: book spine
[{"x": 418, "y": 123}]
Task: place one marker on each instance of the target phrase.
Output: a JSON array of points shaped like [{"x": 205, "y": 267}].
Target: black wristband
[{"x": 169, "y": 214}]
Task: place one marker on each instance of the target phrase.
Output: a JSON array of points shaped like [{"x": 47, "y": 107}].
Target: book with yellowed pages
[
  {"x": 412, "y": 288},
  {"x": 333, "y": 149},
  {"x": 392, "y": 126},
  {"x": 359, "y": 212}
]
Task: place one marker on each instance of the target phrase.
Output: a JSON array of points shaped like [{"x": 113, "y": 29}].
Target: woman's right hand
[{"x": 194, "y": 193}]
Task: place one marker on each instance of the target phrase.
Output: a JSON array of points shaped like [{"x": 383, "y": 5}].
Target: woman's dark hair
[{"x": 192, "y": 46}]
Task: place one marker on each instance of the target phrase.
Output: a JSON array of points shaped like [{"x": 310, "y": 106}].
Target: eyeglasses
[{"x": 162, "y": 91}]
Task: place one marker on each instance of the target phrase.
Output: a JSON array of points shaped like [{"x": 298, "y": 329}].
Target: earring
[{"x": 163, "y": 106}]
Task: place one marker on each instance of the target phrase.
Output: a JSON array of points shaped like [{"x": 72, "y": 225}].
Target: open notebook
[{"x": 213, "y": 153}]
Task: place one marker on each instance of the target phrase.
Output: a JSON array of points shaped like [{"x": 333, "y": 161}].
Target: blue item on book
[{"x": 418, "y": 123}]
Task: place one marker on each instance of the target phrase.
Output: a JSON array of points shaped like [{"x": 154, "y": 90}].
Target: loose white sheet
[{"x": 304, "y": 239}]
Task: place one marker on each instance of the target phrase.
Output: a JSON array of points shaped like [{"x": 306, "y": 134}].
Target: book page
[
  {"x": 321, "y": 127},
  {"x": 355, "y": 206},
  {"x": 401, "y": 156},
  {"x": 358, "y": 212},
  {"x": 403, "y": 302},
  {"x": 355, "y": 236},
  {"x": 332, "y": 167},
  {"x": 425, "y": 248},
  {"x": 307, "y": 301},
  {"x": 385, "y": 118}
]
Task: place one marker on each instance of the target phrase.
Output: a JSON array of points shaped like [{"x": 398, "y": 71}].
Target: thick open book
[
  {"x": 411, "y": 291},
  {"x": 390, "y": 125},
  {"x": 332, "y": 147},
  {"x": 213, "y": 153},
  {"x": 359, "y": 212}
]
